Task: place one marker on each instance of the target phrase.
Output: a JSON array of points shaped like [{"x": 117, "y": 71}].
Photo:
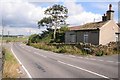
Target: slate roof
[{"x": 89, "y": 26}]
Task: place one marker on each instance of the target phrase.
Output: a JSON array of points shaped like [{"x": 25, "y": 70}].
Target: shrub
[
  {"x": 34, "y": 38},
  {"x": 100, "y": 53}
]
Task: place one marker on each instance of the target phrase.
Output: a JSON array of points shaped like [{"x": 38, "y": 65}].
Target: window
[
  {"x": 116, "y": 37},
  {"x": 86, "y": 37},
  {"x": 73, "y": 38}
]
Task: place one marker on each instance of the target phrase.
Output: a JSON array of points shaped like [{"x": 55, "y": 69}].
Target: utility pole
[
  {"x": 2, "y": 49},
  {"x": 8, "y": 33},
  {"x": 1, "y": 42}
]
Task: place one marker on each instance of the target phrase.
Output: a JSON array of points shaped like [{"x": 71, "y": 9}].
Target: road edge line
[
  {"x": 84, "y": 69},
  {"x": 21, "y": 64}
]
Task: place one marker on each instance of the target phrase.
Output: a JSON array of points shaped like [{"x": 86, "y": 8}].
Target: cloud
[
  {"x": 21, "y": 14},
  {"x": 78, "y": 15},
  {"x": 83, "y": 18},
  {"x": 73, "y": 8}
]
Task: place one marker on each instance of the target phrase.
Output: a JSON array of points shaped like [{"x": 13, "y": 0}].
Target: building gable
[{"x": 107, "y": 32}]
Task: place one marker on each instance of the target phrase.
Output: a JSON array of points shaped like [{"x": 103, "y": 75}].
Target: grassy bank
[
  {"x": 10, "y": 65},
  {"x": 67, "y": 49},
  {"x": 79, "y": 49}
]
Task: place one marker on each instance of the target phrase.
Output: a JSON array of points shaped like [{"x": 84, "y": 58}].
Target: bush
[
  {"x": 100, "y": 53},
  {"x": 34, "y": 38}
]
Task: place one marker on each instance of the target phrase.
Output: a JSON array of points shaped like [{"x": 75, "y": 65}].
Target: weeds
[
  {"x": 78, "y": 49},
  {"x": 10, "y": 65}
]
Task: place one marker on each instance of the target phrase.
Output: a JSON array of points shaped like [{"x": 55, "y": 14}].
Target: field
[{"x": 14, "y": 39}]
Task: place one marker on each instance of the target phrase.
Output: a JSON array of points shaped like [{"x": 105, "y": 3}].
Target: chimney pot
[
  {"x": 104, "y": 14},
  {"x": 110, "y": 6}
]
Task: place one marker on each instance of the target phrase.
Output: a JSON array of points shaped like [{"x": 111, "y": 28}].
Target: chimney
[
  {"x": 104, "y": 18},
  {"x": 110, "y": 13},
  {"x": 110, "y": 7}
]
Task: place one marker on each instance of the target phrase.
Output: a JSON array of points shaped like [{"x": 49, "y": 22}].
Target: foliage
[
  {"x": 60, "y": 34},
  {"x": 69, "y": 49},
  {"x": 63, "y": 29},
  {"x": 45, "y": 22},
  {"x": 34, "y": 38},
  {"x": 47, "y": 35},
  {"x": 79, "y": 49},
  {"x": 57, "y": 16}
]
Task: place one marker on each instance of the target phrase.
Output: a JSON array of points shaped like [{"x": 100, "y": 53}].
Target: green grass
[
  {"x": 9, "y": 56},
  {"x": 14, "y": 39},
  {"x": 67, "y": 49},
  {"x": 10, "y": 65}
]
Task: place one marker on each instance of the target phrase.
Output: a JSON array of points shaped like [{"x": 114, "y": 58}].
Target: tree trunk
[{"x": 54, "y": 36}]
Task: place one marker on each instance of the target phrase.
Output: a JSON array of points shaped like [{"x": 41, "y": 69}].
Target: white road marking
[
  {"x": 94, "y": 59},
  {"x": 40, "y": 54},
  {"x": 71, "y": 55},
  {"x": 84, "y": 69},
  {"x": 43, "y": 55},
  {"x": 110, "y": 61},
  {"x": 86, "y": 58},
  {"x": 101, "y": 60},
  {"x": 22, "y": 65},
  {"x": 80, "y": 57}
]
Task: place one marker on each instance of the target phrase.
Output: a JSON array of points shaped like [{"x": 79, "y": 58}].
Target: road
[{"x": 45, "y": 64}]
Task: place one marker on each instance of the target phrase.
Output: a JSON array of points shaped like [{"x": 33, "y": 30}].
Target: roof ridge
[{"x": 92, "y": 25}]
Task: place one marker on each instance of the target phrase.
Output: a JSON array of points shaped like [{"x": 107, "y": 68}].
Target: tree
[
  {"x": 57, "y": 16},
  {"x": 46, "y": 21},
  {"x": 34, "y": 38}
]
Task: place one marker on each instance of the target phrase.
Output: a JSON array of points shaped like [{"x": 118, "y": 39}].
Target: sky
[{"x": 20, "y": 17}]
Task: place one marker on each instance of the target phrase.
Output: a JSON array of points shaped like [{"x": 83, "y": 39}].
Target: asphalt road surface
[{"x": 45, "y": 64}]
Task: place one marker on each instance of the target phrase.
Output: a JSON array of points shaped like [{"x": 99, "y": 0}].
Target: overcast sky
[{"x": 21, "y": 16}]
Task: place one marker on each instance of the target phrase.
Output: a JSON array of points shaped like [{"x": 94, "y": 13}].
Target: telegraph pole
[
  {"x": 2, "y": 49},
  {"x": 8, "y": 33}
]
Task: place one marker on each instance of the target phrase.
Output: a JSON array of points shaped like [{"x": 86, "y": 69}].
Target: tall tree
[{"x": 57, "y": 16}]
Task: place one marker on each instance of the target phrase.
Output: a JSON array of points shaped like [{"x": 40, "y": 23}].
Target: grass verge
[
  {"x": 11, "y": 66},
  {"x": 79, "y": 49},
  {"x": 67, "y": 49}
]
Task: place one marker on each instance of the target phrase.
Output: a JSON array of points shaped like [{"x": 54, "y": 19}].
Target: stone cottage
[{"x": 95, "y": 33}]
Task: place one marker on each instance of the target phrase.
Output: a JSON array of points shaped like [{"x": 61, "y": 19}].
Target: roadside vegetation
[
  {"x": 53, "y": 39},
  {"x": 78, "y": 49},
  {"x": 11, "y": 66}
]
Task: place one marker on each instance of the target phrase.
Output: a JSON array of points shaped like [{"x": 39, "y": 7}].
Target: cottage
[{"x": 95, "y": 33}]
